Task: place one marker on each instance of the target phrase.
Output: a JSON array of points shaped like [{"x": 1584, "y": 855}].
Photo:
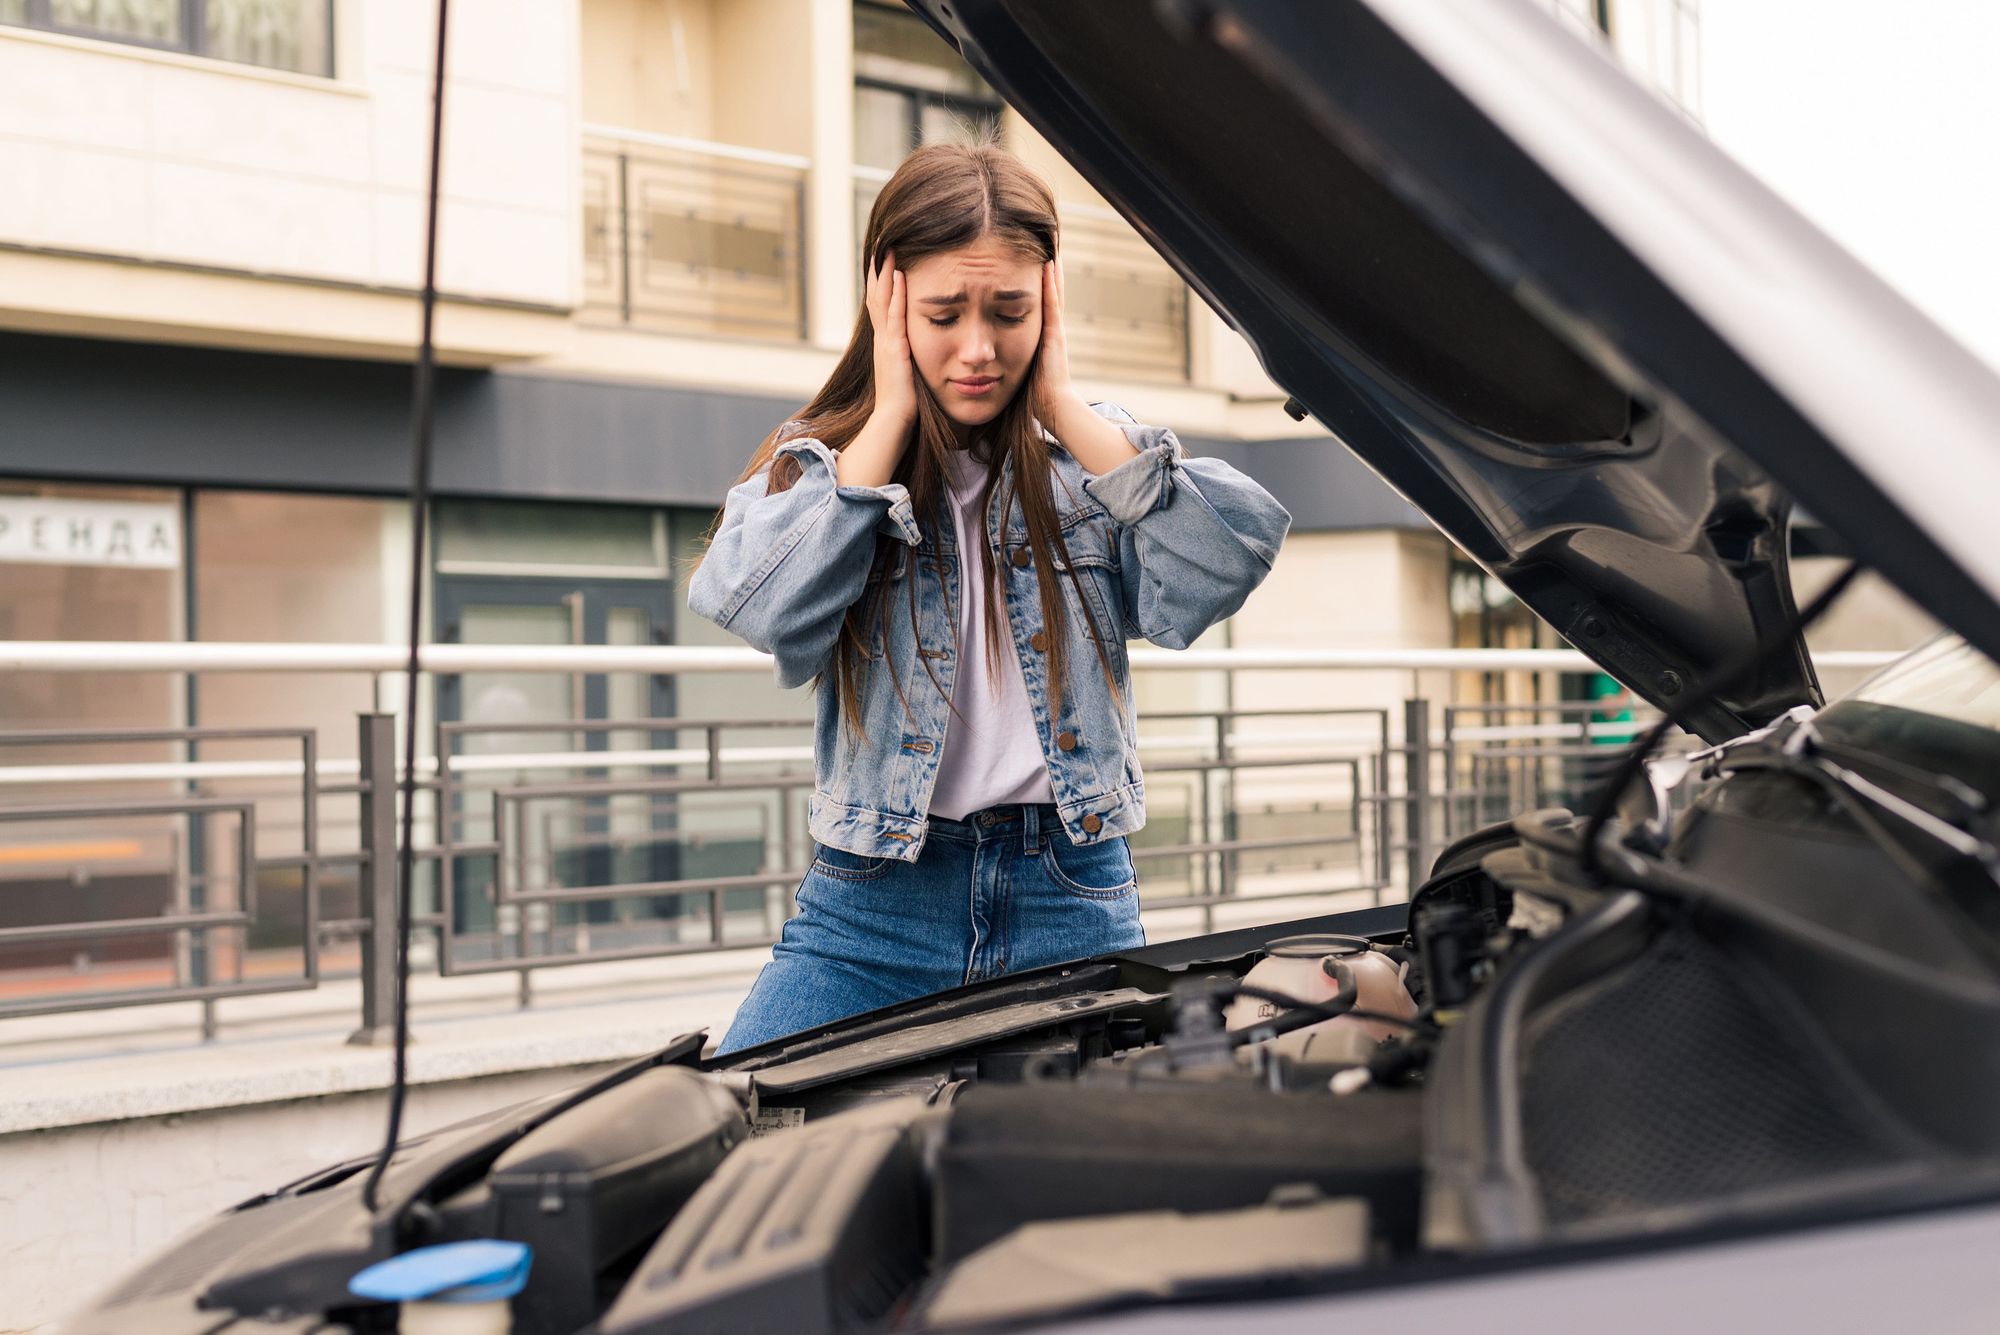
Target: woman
[{"x": 955, "y": 547}]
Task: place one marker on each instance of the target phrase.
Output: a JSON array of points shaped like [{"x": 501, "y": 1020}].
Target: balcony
[
  {"x": 1127, "y": 310},
  {"x": 687, "y": 237},
  {"x": 684, "y": 236}
]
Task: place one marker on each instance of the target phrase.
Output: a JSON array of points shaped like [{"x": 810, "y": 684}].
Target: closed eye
[{"x": 947, "y": 321}]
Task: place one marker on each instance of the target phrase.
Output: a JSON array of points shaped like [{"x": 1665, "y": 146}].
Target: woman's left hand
[
  {"x": 1092, "y": 441},
  {"x": 1053, "y": 392}
]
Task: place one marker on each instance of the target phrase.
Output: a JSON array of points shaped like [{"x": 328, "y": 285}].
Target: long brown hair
[{"x": 944, "y": 197}]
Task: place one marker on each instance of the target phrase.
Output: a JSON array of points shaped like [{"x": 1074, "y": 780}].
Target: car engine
[{"x": 1527, "y": 1062}]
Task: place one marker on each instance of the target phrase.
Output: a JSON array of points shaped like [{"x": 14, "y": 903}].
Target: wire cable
[
  {"x": 1298, "y": 1013},
  {"x": 420, "y": 487}
]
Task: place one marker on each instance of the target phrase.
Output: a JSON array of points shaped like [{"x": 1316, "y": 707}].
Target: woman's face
[{"x": 975, "y": 318}]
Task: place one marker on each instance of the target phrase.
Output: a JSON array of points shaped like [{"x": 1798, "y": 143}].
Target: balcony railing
[
  {"x": 1127, "y": 309},
  {"x": 683, "y": 236},
  {"x": 690, "y": 237},
  {"x": 220, "y": 875}
]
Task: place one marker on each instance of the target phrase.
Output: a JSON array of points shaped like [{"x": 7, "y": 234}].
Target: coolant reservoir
[
  {"x": 453, "y": 1288},
  {"x": 1300, "y": 966}
]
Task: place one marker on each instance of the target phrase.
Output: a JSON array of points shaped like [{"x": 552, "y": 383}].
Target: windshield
[{"x": 1946, "y": 677}]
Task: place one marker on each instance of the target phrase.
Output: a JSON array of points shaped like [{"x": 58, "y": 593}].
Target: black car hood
[{"x": 1596, "y": 353}]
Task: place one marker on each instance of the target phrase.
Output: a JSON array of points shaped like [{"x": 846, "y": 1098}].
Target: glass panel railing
[
  {"x": 685, "y": 237},
  {"x": 1127, "y": 310}
]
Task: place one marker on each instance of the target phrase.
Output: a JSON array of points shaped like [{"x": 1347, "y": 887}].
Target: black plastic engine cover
[
  {"x": 807, "y": 1232},
  {"x": 589, "y": 1187},
  {"x": 1014, "y": 1155}
]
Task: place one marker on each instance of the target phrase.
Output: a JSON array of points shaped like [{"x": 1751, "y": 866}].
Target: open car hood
[{"x": 1594, "y": 351}]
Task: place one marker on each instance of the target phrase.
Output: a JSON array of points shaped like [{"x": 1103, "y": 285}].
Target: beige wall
[
  {"x": 737, "y": 72},
  {"x": 263, "y": 176},
  {"x": 649, "y": 65},
  {"x": 765, "y": 75},
  {"x": 125, "y": 152},
  {"x": 1038, "y": 153},
  {"x": 1378, "y": 589}
]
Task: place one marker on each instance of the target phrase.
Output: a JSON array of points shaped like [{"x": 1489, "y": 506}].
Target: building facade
[
  {"x": 207, "y": 273},
  {"x": 210, "y": 249}
]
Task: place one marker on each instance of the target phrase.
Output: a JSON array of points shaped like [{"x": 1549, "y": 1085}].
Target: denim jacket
[{"x": 1164, "y": 546}]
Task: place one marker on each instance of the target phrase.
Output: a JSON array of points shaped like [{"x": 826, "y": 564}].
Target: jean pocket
[
  {"x": 1101, "y": 870},
  {"x": 845, "y": 866}
]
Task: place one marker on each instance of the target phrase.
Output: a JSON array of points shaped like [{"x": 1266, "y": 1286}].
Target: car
[{"x": 1665, "y": 1064}]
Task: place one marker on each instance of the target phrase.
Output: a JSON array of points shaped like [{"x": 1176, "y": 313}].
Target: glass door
[{"x": 571, "y": 841}]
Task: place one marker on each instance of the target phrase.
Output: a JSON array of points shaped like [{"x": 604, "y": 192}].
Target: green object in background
[{"x": 1603, "y": 686}]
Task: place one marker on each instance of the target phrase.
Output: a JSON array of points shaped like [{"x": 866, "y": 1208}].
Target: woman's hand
[
  {"x": 1092, "y": 441},
  {"x": 895, "y": 372},
  {"x": 1053, "y": 392},
  {"x": 870, "y": 459}
]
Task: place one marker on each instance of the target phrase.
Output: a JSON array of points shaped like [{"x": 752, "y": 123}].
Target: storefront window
[
  {"x": 296, "y": 570},
  {"x": 87, "y": 563}
]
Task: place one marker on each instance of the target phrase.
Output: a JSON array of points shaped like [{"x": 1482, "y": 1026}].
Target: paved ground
[{"x": 147, "y": 1062}]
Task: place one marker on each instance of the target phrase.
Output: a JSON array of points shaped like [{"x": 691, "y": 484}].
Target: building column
[{"x": 831, "y": 243}]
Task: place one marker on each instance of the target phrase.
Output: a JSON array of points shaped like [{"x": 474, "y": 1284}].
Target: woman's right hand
[{"x": 895, "y": 373}]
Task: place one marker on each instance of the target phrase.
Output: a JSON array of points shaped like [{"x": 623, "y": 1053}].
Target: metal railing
[
  {"x": 685, "y": 236},
  {"x": 690, "y": 835}
]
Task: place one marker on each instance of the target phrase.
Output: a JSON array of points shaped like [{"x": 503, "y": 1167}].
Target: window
[
  {"x": 80, "y": 582},
  {"x": 515, "y": 538},
  {"x": 294, "y": 35},
  {"x": 911, "y": 89}
]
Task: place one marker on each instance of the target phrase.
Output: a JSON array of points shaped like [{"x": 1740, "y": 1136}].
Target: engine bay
[{"x": 1521, "y": 1064}]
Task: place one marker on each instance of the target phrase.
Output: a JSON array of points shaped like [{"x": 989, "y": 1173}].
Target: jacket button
[
  {"x": 1023, "y": 558},
  {"x": 1091, "y": 824},
  {"x": 1039, "y": 641},
  {"x": 1066, "y": 740}
]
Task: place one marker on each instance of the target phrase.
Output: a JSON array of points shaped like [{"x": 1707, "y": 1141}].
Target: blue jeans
[{"x": 1002, "y": 890}]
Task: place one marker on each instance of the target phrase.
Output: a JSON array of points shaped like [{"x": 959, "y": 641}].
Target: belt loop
[{"x": 1031, "y": 825}]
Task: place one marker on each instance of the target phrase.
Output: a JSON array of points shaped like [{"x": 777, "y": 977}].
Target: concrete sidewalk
[
  {"x": 105, "y": 1066},
  {"x": 119, "y": 1130}
]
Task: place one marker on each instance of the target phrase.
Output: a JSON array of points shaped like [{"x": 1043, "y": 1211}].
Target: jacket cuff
[
  {"x": 899, "y": 517},
  {"x": 1139, "y": 486}
]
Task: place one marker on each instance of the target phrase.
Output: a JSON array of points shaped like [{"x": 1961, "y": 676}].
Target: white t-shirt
[{"x": 991, "y": 753}]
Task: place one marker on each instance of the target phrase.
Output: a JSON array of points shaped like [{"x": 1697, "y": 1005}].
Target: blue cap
[{"x": 452, "y": 1272}]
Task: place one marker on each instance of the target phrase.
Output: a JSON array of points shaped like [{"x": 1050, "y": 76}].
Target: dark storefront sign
[{"x": 91, "y": 410}]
